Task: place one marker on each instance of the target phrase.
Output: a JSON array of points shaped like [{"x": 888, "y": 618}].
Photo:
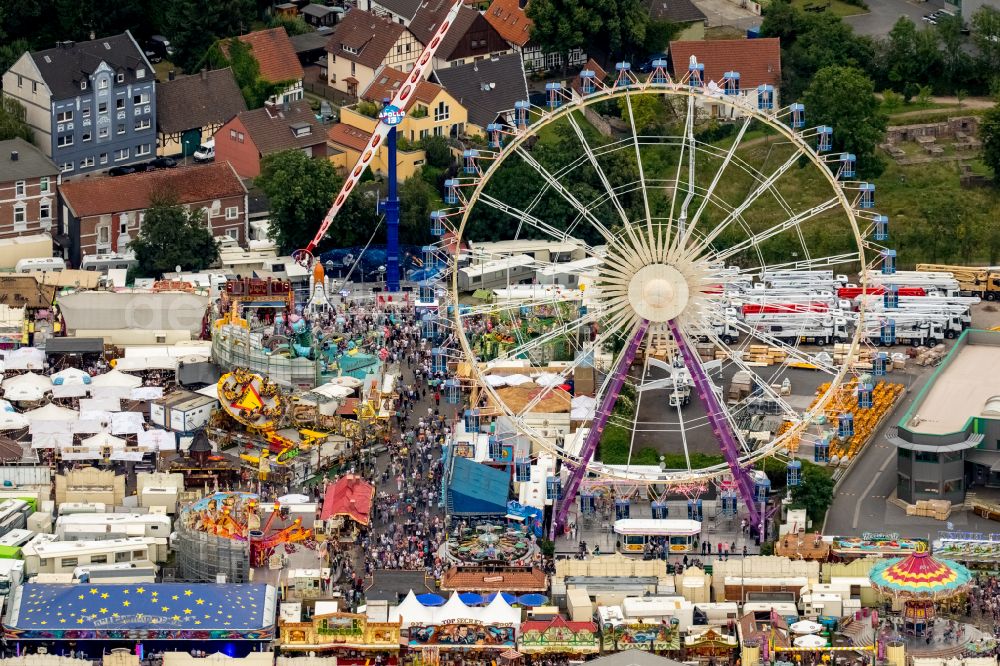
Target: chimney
[
  {"x": 171, "y": 74},
  {"x": 204, "y": 74},
  {"x": 14, "y": 156}
]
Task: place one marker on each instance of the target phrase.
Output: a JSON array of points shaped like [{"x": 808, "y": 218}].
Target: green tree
[
  {"x": 844, "y": 98},
  {"x": 615, "y": 27},
  {"x": 647, "y": 111},
  {"x": 246, "y": 70},
  {"x": 955, "y": 62},
  {"x": 901, "y": 56},
  {"x": 300, "y": 190},
  {"x": 815, "y": 493},
  {"x": 293, "y": 25},
  {"x": 438, "y": 151},
  {"x": 989, "y": 134},
  {"x": 416, "y": 201},
  {"x": 659, "y": 34},
  {"x": 195, "y": 25},
  {"x": 12, "y": 120},
  {"x": 985, "y": 26},
  {"x": 172, "y": 236}
]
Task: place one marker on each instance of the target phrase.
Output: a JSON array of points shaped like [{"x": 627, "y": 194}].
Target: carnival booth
[
  {"x": 458, "y": 626},
  {"x": 558, "y": 636}
]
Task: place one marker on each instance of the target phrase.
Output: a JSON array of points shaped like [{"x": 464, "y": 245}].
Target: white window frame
[
  {"x": 87, "y": 162},
  {"x": 232, "y": 212},
  {"x": 121, "y": 154},
  {"x": 106, "y": 231},
  {"x": 64, "y": 141},
  {"x": 66, "y": 167},
  {"x": 143, "y": 124},
  {"x": 142, "y": 150},
  {"x": 64, "y": 116},
  {"x": 120, "y": 78},
  {"x": 140, "y": 99},
  {"x": 44, "y": 210},
  {"x": 20, "y": 211},
  {"x": 44, "y": 186},
  {"x": 140, "y": 73},
  {"x": 20, "y": 188},
  {"x": 102, "y": 83},
  {"x": 104, "y": 158},
  {"x": 442, "y": 112}
]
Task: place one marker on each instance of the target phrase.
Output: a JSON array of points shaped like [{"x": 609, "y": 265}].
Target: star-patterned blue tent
[{"x": 166, "y": 611}]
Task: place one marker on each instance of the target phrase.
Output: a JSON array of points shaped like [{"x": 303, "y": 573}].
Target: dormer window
[
  {"x": 83, "y": 84},
  {"x": 139, "y": 73},
  {"x": 349, "y": 49},
  {"x": 121, "y": 77}
]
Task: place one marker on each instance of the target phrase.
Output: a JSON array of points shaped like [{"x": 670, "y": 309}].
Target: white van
[
  {"x": 40, "y": 264},
  {"x": 205, "y": 152}
]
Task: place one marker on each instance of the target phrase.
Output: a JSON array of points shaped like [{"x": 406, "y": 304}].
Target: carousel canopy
[{"x": 920, "y": 576}]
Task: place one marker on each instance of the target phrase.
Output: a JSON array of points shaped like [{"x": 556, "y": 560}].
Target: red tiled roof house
[
  {"x": 251, "y": 135},
  {"x": 361, "y": 44},
  {"x": 509, "y": 18},
  {"x": 102, "y": 215},
  {"x": 758, "y": 62},
  {"x": 278, "y": 61}
]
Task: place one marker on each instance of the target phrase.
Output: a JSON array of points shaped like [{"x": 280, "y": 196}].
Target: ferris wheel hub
[{"x": 658, "y": 292}]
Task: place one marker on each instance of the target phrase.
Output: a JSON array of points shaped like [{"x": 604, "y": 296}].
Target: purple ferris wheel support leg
[
  {"x": 717, "y": 419},
  {"x": 596, "y": 428}
]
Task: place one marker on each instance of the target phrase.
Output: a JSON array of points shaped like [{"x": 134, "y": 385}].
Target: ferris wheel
[{"x": 669, "y": 262}]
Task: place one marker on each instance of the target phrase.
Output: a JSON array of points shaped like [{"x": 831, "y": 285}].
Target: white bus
[{"x": 680, "y": 536}]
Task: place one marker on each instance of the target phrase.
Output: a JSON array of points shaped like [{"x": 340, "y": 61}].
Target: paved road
[
  {"x": 884, "y": 13},
  {"x": 861, "y": 505}
]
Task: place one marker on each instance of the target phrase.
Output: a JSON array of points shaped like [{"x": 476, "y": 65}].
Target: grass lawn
[
  {"x": 836, "y": 7},
  {"x": 163, "y": 68}
]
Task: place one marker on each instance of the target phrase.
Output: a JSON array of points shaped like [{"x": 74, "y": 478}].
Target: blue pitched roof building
[{"x": 474, "y": 489}]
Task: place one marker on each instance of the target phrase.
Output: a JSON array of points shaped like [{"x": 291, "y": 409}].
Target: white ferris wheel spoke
[
  {"x": 710, "y": 192},
  {"x": 589, "y": 152},
  {"x": 687, "y": 145},
  {"x": 751, "y": 198},
  {"x": 531, "y": 220},
  {"x": 805, "y": 264},
  {"x": 642, "y": 176},
  {"x": 794, "y": 222},
  {"x": 566, "y": 194}
]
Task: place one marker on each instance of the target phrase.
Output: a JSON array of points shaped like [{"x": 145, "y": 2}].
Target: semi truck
[{"x": 982, "y": 281}]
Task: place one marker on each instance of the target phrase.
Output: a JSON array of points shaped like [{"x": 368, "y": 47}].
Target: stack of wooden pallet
[
  {"x": 861, "y": 359},
  {"x": 937, "y": 509}
]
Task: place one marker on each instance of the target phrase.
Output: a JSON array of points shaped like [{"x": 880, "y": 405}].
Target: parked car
[
  {"x": 162, "y": 163},
  {"x": 205, "y": 152},
  {"x": 122, "y": 170},
  {"x": 158, "y": 47}
]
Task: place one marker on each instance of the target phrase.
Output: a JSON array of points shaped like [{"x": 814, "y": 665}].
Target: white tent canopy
[
  {"x": 29, "y": 386},
  {"x": 127, "y": 423},
  {"x": 346, "y": 380},
  {"x": 102, "y": 439},
  {"x": 25, "y": 358},
  {"x": 51, "y": 412},
  {"x": 809, "y": 641},
  {"x": 412, "y": 611},
  {"x": 117, "y": 378},
  {"x": 51, "y": 440},
  {"x": 161, "y": 440},
  {"x": 70, "y": 376},
  {"x": 454, "y": 609},
  {"x": 499, "y": 611},
  {"x": 12, "y": 421},
  {"x": 517, "y": 379},
  {"x": 805, "y": 627}
]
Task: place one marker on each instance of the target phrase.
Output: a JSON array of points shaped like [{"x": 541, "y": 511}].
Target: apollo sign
[{"x": 391, "y": 115}]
